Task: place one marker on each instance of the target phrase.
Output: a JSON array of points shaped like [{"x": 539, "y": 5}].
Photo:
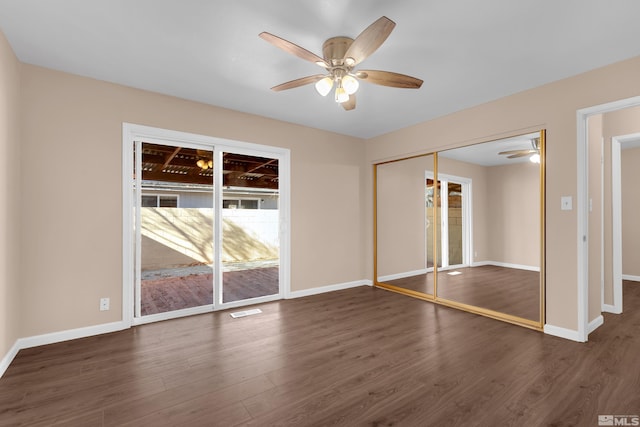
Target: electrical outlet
[{"x": 104, "y": 304}]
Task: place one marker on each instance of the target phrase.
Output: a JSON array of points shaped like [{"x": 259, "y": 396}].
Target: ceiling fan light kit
[
  {"x": 324, "y": 86},
  {"x": 204, "y": 164},
  {"x": 341, "y": 55}
]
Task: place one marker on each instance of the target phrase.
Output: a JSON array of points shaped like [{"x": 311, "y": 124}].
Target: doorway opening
[
  {"x": 623, "y": 219},
  {"x": 582, "y": 203}
]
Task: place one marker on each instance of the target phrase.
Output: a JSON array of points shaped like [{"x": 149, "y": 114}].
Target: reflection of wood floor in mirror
[{"x": 507, "y": 290}]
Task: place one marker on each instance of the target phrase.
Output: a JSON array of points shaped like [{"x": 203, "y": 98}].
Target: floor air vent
[{"x": 245, "y": 313}]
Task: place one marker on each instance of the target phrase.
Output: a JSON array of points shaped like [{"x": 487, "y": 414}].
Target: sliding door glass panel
[
  {"x": 175, "y": 236},
  {"x": 250, "y": 227}
]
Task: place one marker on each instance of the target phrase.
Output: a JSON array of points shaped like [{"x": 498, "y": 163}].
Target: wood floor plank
[
  {"x": 224, "y": 404},
  {"x": 362, "y": 356}
]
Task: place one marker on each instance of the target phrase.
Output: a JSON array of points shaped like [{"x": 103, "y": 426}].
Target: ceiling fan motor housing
[{"x": 334, "y": 49}]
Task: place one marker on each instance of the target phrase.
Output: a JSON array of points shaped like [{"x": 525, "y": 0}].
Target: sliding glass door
[{"x": 207, "y": 226}]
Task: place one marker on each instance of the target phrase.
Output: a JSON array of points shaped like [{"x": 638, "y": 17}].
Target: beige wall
[
  {"x": 10, "y": 298},
  {"x": 630, "y": 160},
  {"x": 552, "y": 106},
  {"x": 513, "y": 216},
  {"x": 72, "y": 131}
]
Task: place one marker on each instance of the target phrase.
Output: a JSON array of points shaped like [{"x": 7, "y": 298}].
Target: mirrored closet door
[{"x": 465, "y": 228}]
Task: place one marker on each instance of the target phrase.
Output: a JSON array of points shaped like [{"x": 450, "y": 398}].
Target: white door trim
[
  {"x": 616, "y": 200},
  {"x": 133, "y": 132},
  {"x": 582, "y": 206},
  {"x": 616, "y": 218}
]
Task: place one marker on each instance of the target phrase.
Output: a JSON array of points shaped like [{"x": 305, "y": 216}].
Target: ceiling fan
[
  {"x": 533, "y": 153},
  {"x": 340, "y": 56}
]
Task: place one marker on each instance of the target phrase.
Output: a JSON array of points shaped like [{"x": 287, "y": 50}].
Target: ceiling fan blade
[
  {"x": 298, "y": 82},
  {"x": 387, "y": 78},
  {"x": 370, "y": 40},
  {"x": 293, "y": 49},
  {"x": 515, "y": 156},
  {"x": 517, "y": 151},
  {"x": 350, "y": 104},
  {"x": 511, "y": 152}
]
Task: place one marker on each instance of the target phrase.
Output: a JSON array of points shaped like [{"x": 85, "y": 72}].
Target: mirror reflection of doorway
[{"x": 453, "y": 218}]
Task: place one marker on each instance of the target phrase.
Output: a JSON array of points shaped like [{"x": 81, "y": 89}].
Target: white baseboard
[
  {"x": 595, "y": 324},
  {"x": 630, "y": 277},
  {"x": 506, "y": 265},
  {"x": 402, "y": 275},
  {"x": 557, "y": 331},
  {"x": 8, "y": 358},
  {"x": 608, "y": 308},
  {"x": 70, "y": 334},
  {"x": 54, "y": 337},
  {"x": 329, "y": 288}
]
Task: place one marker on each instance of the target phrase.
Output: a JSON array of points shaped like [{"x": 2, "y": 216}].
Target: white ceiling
[
  {"x": 486, "y": 153},
  {"x": 467, "y": 52}
]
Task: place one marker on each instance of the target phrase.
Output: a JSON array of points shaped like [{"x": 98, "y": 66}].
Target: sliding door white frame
[{"x": 132, "y": 134}]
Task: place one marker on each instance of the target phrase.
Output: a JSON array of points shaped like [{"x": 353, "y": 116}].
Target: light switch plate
[{"x": 566, "y": 203}]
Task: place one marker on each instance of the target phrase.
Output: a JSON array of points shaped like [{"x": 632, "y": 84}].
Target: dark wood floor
[
  {"x": 358, "y": 357},
  {"x": 194, "y": 290},
  {"x": 507, "y": 290}
]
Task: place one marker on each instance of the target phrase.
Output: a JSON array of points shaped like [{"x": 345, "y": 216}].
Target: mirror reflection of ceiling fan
[
  {"x": 533, "y": 153},
  {"x": 340, "y": 56}
]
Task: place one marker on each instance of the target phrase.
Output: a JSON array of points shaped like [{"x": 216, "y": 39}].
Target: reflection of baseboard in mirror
[{"x": 487, "y": 240}]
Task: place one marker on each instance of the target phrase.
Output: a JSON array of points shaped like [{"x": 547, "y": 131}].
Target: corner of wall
[{"x": 10, "y": 224}]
